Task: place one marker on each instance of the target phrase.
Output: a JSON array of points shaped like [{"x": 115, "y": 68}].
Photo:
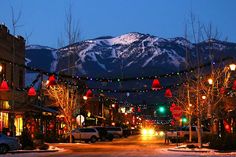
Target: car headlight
[
  {"x": 161, "y": 133},
  {"x": 144, "y": 132},
  {"x": 148, "y": 132}
]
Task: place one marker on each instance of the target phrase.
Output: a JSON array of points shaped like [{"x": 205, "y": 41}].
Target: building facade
[{"x": 12, "y": 50}]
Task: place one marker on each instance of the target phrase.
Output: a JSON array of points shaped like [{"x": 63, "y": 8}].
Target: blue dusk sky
[{"x": 44, "y": 19}]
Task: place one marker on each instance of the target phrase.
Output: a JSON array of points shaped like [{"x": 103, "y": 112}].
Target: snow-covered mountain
[
  {"x": 132, "y": 54},
  {"x": 40, "y": 57},
  {"x": 128, "y": 54}
]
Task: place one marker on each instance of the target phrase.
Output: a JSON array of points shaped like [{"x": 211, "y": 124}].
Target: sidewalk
[
  {"x": 50, "y": 149},
  {"x": 184, "y": 148}
]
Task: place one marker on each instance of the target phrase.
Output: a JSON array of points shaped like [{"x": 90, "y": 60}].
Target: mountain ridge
[{"x": 128, "y": 55}]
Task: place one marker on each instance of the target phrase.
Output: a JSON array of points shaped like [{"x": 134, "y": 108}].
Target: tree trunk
[
  {"x": 199, "y": 134},
  {"x": 70, "y": 130},
  {"x": 190, "y": 114},
  {"x": 190, "y": 128}
]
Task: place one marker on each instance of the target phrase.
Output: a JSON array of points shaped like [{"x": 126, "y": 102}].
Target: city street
[{"x": 124, "y": 147}]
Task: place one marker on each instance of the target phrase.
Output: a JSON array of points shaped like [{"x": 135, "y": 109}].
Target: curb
[
  {"x": 32, "y": 151},
  {"x": 190, "y": 150}
]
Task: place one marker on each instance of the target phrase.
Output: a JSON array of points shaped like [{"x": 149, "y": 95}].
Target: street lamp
[
  {"x": 232, "y": 67},
  {"x": 203, "y": 97},
  {"x": 210, "y": 81},
  {"x": 1, "y": 67}
]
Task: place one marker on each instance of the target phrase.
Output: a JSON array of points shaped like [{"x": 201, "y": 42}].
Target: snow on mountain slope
[
  {"x": 131, "y": 53},
  {"x": 125, "y": 39}
]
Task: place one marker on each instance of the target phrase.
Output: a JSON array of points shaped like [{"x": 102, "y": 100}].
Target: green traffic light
[
  {"x": 184, "y": 120},
  {"x": 161, "y": 109}
]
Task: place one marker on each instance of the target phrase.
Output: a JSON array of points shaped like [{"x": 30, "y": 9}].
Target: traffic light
[
  {"x": 161, "y": 109},
  {"x": 184, "y": 120}
]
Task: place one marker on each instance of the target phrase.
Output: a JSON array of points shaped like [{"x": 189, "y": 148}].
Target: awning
[{"x": 45, "y": 109}]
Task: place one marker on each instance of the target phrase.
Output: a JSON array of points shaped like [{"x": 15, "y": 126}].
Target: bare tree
[
  {"x": 66, "y": 97},
  {"x": 196, "y": 80},
  {"x": 71, "y": 33},
  {"x": 67, "y": 101}
]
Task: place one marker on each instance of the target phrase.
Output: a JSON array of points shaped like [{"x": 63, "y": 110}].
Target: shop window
[
  {"x": 3, "y": 121},
  {"x": 5, "y": 105},
  {"x": 18, "y": 124}
]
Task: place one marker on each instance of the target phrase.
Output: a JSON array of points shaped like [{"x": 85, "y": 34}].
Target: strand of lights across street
[{"x": 99, "y": 79}]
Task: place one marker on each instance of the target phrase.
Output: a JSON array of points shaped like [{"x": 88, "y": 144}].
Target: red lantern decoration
[
  {"x": 156, "y": 84},
  {"x": 172, "y": 122},
  {"x": 222, "y": 90},
  {"x": 234, "y": 85},
  {"x": 176, "y": 111},
  {"x": 51, "y": 80},
  {"x": 61, "y": 119},
  {"x": 31, "y": 92},
  {"x": 139, "y": 109},
  {"x": 51, "y": 126},
  {"x": 172, "y": 107},
  {"x": 168, "y": 93},
  {"x": 4, "y": 87},
  {"x": 227, "y": 126},
  {"x": 89, "y": 94}
]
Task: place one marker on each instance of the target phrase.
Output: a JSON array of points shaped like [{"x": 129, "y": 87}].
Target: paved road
[{"x": 133, "y": 146}]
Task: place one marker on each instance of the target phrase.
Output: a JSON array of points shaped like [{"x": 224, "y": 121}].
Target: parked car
[
  {"x": 183, "y": 134},
  {"x": 115, "y": 131},
  {"x": 126, "y": 132},
  {"x": 8, "y": 144},
  {"x": 84, "y": 134},
  {"x": 103, "y": 133}
]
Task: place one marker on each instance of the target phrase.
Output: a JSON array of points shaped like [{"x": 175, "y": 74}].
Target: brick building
[{"x": 12, "y": 50}]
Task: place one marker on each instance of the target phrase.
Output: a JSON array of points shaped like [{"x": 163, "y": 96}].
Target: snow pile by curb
[{"x": 184, "y": 148}]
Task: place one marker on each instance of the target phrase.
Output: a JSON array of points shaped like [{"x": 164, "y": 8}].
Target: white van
[{"x": 115, "y": 131}]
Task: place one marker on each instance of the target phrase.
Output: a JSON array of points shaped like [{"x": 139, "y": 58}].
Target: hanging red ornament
[
  {"x": 4, "y": 87},
  {"x": 62, "y": 119},
  {"x": 51, "y": 80},
  {"x": 172, "y": 107},
  {"x": 227, "y": 126},
  {"x": 51, "y": 126},
  {"x": 168, "y": 93},
  {"x": 89, "y": 94},
  {"x": 156, "y": 84},
  {"x": 139, "y": 109},
  {"x": 234, "y": 85},
  {"x": 172, "y": 122},
  {"x": 31, "y": 92},
  {"x": 222, "y": 90},
  {"x": 133, "y": 109}
]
